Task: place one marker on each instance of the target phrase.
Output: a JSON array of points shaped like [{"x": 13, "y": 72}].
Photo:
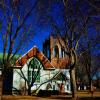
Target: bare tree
[
  {"x": 75, "y": 31},
  {"x": 16, "y": 32},
  {"x": 76, "y": 22},
  {"x": 88, "y": 59}
]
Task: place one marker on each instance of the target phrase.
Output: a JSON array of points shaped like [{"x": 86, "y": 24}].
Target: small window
[
  {"x": 56, "y": 51},
  {"x": 48, "y": 52},
  {"x": 29, "y": 79},
  {"x": 30, "y": 73},
  {"x": 67, "y": 86},
  {"x": 53, "y": 87},
  {"x": 62, "y": 52}
]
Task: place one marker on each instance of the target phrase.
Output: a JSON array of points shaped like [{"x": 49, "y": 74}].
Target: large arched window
[
  {"x": 56, "y": 51},
  {"x": 34, "y": 68}
]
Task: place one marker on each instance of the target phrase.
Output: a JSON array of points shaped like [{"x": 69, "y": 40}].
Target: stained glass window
[{"x": 34, "y": 68}]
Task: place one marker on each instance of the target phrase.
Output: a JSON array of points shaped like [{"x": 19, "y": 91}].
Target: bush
[
  {"x": 54, "y": 92},
  {"x": 46, "y": 93}
]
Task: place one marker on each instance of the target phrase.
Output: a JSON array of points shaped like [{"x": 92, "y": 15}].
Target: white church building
[{"x": 44, "y": 71}]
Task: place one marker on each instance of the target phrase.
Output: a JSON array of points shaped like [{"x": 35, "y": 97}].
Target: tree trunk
[
  {"x": 73, "y": 83},
  {"x": 29, "y": 90},
  {"x": 25, "y": 88},
  {"x": 7, "y": 81},
  {"x": 91, "y": 87},
  {"x": 90, "y": 84},
  {"x": 0, "y": 86}
]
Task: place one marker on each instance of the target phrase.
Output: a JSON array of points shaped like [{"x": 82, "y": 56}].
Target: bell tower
[{"x": 54, "y": 49}]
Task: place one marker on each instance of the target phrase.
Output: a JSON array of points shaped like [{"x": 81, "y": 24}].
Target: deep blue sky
[{"x": 42, "y": 28}]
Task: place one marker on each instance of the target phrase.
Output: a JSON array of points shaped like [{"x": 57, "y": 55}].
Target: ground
[
  {"x": 80, "y": 96},
  {"x": 50, "y": 98}
]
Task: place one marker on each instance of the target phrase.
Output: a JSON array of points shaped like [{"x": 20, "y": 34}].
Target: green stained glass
[
  {"x": 34, "y": 69},
  {"x": 38, "y": 78},
  {"x": 29, "y": 73},
  {"x": 30, "y": 79}
]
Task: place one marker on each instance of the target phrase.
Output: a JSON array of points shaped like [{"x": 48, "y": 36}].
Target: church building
[{"x": 47, "y": 70}]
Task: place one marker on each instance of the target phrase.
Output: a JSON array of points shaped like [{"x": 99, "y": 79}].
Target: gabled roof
[
  {"x": 34, "y": 52},
  {"x": 61, "y": 76}
]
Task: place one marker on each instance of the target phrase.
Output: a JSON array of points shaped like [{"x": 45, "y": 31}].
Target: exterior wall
[
  {"x": 18, "y": 81},
  {"x": 45, "y": 75}
]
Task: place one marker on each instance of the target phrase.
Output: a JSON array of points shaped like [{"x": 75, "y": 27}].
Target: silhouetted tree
[
  {"x": 77, "y": 18},
  {"x": 16, "y": 32},
  {"x": 89, "y": 61}
]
